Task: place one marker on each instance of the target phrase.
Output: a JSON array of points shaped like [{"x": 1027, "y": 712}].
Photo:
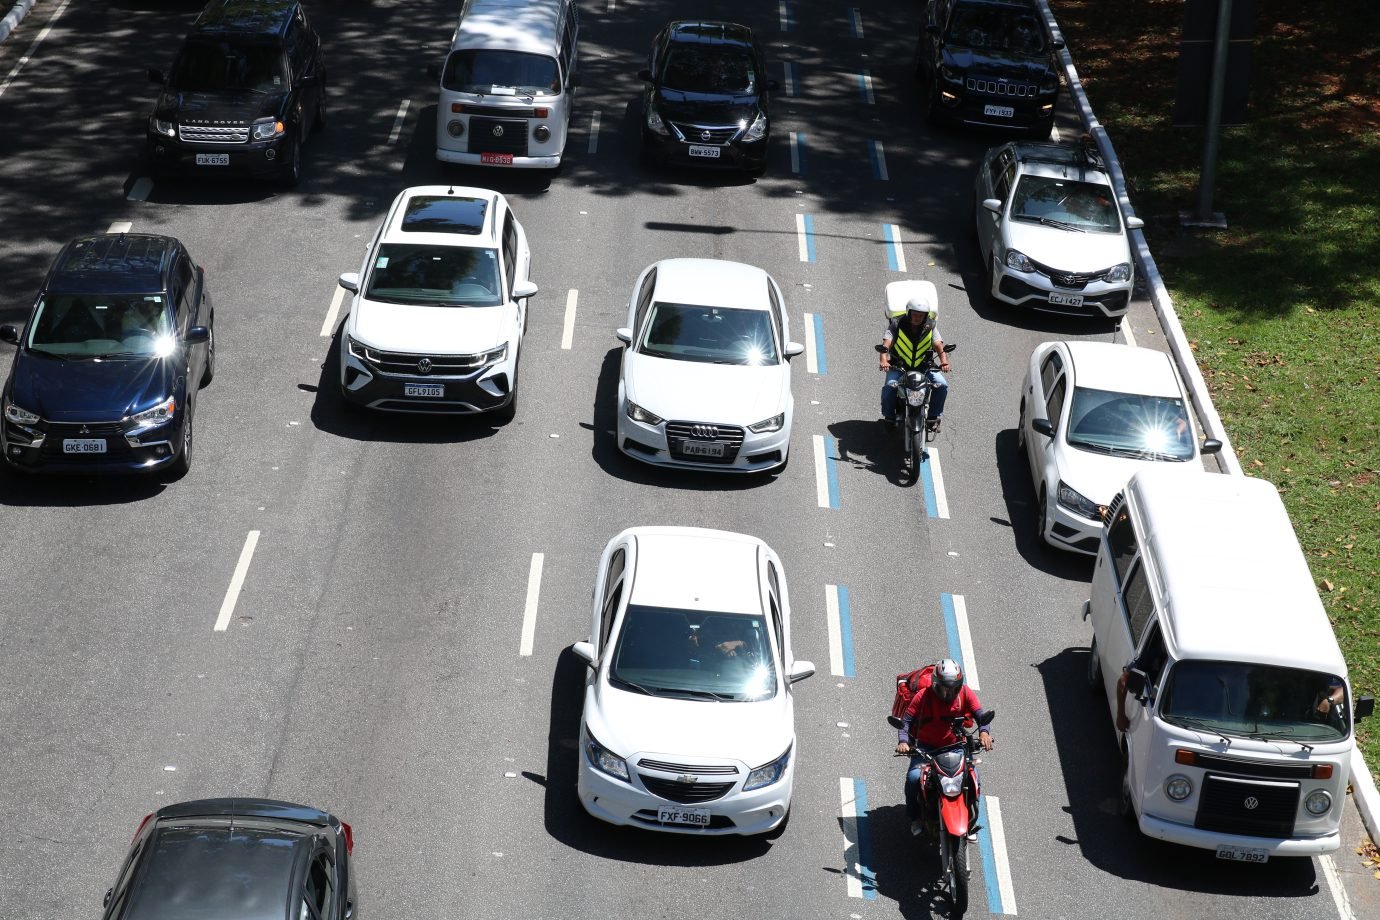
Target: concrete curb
[
  {"x": 1363, "y": 789},
  {"x": 14, "y": 17}
]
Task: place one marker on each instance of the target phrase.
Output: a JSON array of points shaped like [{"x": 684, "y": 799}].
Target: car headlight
[
  {"x": 604, "y": 760},
  {"x": 156, "y": 415},
  {"x": 771, "y": 424},
  {"x": 268, "y": 128},
  {"x": 1318, "y": 802},
  {"x": 1178, "y": 787},
  {"x": 1077, "y": 502},
  {"x": 19, "y": 416},
  {"x": 654, "y": 122},
  {"x": 639, "y": 414},
  {"x": 495, "y": 355},
  {"x": 357, "y": 348},
  {"x": 159, "y": 126},
  {"x": 758, "y": 129},
  {"x": 767, "y": 774},
  {"x": 1050, "y": 83},
  {"x": 1017, "y": 260},
  {"x": 1119, "y": 272}
]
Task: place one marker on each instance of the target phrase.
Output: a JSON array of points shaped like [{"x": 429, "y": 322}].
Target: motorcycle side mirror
[
  {"x": 1136, "y": 683},
  {"x": 1042, "y": 426},
  {"x": 986, "y": 718},
  {"x": 894, "y": 721},
  {"x": 879, "y": 348},
  {"x": 1365, "y": 707},
  {"x": 950, "y": 347}
]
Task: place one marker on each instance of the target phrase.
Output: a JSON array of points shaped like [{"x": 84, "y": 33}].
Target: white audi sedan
[
  {"x": 689, "y": 722},
  {"x": 706, "y": 376},
  {"x": 439, "y": 306},
  {"x": 1092, "y": 414}
]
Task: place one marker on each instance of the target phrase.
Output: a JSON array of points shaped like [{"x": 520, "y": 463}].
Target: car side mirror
[
  {"x": 1042, "y": 426},
  {"x": 197, "y": 335},
  {"x": 992, "y": 204},
  {"x": 585, "y": 652},
  {"x": 1210, "y": 446},
  {"x": 644, "y": 75},
  {"x": 1137, "y": 684},
  {"x": 9, "y": 333},
  {"x": 350, "y": 281},
  {"x": 624, "y": 335},
  {"x": 156, "y": 76},
  {"x": 793, "y": 349},
  {"x": 524, "y": 289},
  {"x": 1057, "y": 44},
  {"x": 105, "y": 901},
  {"x": 1365, "y": 708},
  {"x": 433, "y": 71},
  {"x": 1134, "y": 223},
  {"x": 800, "y": 670}
]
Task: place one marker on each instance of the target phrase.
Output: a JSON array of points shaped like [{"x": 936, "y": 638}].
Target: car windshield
[
  {"x": 443, "y": 276},
  {"x": 1265, "y": 701},
  {"x": 715, "y": 335},
  {"x": 692, "y": 69},
  {"x": 1081, "y": 205},
  {"x": 207, "y": 66},
  {"x": 1146, "y": 427},
  {"x": 995, "y": 28},
  {"x": 665, "y": 651},
  {"x": 102, "y": 325},
  {"x": 511, "y": 73}
]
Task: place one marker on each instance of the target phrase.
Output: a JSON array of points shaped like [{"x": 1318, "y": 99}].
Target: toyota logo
[
  {"x": 424, "y": 366},
  {"x": 704, "y": 431},
  {"x": 705, "y": 135},
  {"x": 498, "y": 130},
  {"x": 1251, "y": 803}
]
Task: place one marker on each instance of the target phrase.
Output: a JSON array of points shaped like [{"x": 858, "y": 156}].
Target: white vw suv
[{"x": 439, "y": 307}]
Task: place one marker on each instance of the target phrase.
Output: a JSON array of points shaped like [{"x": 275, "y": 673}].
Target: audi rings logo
[
  {"x": 1251, "y": 803},
  {"x": 704, "y": 431},
  {"x": 498, "y": 130},
  {"x": 424, "y": 366}
]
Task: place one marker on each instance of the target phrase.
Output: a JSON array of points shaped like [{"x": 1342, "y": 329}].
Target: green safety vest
[{"x": 911, "y": 352}]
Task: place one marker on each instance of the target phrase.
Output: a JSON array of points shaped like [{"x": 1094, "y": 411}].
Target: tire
[
  {"x": 1020, "y": 427},
  {"x": 910, "y": 456},
  {"x": 183, "y": 464},
  {"x": 292, "y": 169},
  {"x": 1124, "y": 808},
  {"x": 1041, "y": 512},
  {"x": 322, "y": 108},
  {"x": 1094, "y": 671},
  {"x": 958, "y": 872},
  {"x": 988, "y": 282},
  {"x": 209, "y": 371}
]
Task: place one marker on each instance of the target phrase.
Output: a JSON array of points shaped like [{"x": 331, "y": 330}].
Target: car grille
[
  {"x": 403, "y": 364},
  {"x": 706, "y": 134},
  {"x": 665, "y": 767},
  {"x": 498, "y": 135},
  {"x": 677, "y": 433},
  {"x": 1240, "y": 806},
  {"x": 991, "y": 87},
  {"x": 214, "y": 134},
  {"x": 1074, "y": 281},
  {"x": 116, "y": 447},
  {"x": 684, "y": 793},
  {"x": 1253, "y": 767}
]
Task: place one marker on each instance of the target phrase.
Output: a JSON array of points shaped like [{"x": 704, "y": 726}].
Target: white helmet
[{"x": 925, "y": 300}]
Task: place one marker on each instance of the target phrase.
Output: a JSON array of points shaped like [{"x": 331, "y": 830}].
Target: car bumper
[
  {"x": 261, "y": 159},
  {"x": 1032, "y": 290},
  {"x": 475, "y": 159},
  {"x": 959, "y": 105},
  {"x": 142, "y": 452},
  {"x": 670, "y": 151},
  {"x": 485, "y": 390},
  {"x": 1071, "y": 531},
  {"x": 649, "y": 444},
  {"x": 743, "y": 813},
  {"x": 1185, "y": 835}
]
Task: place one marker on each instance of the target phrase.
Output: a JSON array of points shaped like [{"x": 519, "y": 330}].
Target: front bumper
[
  {"x": 137, "y": 451},
  {"x": 1071, "y": 531},
  {"x": 1186, "y": 835},
  {"x": 669, "y": 150},
  {"x": 628, "y": 804},
  {"x": 475, "y": 159},
  {"x": 260, "y": 159},
  {"x": 650, "y": 444},
  {"x": 959, "y": 104},
  {"x": 1032, "y": 290},
  {"x": 485, "y": 390}
]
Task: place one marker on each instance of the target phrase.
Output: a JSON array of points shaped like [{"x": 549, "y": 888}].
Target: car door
[
  {"x": 183, "y": 294},
  {"x": 510, "y": 271},
  {"x": 779, "y": 614},
  {"x": 1152, "y": 655},
  {"x": 1118, "y": 566},
  {"x": 928, "y": 44},
  {"x": 998, "y": 172},
  {"x": 1046, "y": 400}
]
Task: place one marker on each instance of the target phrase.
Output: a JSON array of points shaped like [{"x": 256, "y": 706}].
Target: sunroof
[{"x": 445, "y": 214}]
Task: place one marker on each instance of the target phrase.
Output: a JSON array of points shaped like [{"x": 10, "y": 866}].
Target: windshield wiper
[
  {"x": 1199, "y": 725},
  {"x": 1093, "y": 445},
  {"x": 709, "y": 694},
  {"x": 624, "y": 683},
  {"x": 1277, "y": 735},
  {"x": 1062, "y": 225}
]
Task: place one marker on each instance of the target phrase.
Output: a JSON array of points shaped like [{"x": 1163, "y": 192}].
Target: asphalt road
[{"x": 372, "y": 665}]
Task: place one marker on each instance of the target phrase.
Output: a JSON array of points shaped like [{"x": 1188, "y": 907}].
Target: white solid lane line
[
  {"x": 811, "y": 357},
  {"x": 941, "y": 498},
  {"x": 529, "y": 613},
  {"x": 594, "y": 131},
  {"x": 42, "y": 34},
  {"x": 568, "y": 331},
  {"x": 1334, "y": 884},
  {"x": 398, "y": 122},
  {"x": 232, "y": 594},
  {"x": 328, "y": 327},
  {"x": 139, "y": 191},
  {"x": 1126, "y": 333},
  {"x": 1003, "y": 865},
  {"x": 821, "y": 473},
  {"x": 120, "y": 226},
  {"x": 965, "y": 642}
]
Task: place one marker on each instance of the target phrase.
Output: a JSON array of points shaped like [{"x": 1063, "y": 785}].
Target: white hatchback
[
  {"x": 706, "y": 379},
  {"x": 689, "y": 720},
  {"x": 1092, "y": 414}
]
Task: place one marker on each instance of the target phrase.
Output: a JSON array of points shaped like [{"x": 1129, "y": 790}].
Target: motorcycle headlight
[
  {"x": 1119, "y": 272},
  {"x": 156, "y": 415},
  {"x": 1017, "y": 260},
  {"x": 951, "y": 785},
  {"x": 758, "y": 129},
  {"x": 268, "y": 128},
  {"x": 1178, "y": 787},
  {"x": 1318, "y": 802},
  {"x": 1077, "y": 502},
  {"x": 19, "y": 416},
  {"x": 767, "y": 774},
  {"x": 639, "y": 414},
  {"x": 915, "y": 397},
  {"x": 771, "y": 424},
  {"x": 654, "y": 122},
  {"x": 604, "y": 760},
  {"x": 159, "y": 126}
]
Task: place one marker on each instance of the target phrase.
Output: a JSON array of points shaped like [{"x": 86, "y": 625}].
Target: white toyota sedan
[
  {"x": 1092, "y": 414},
  {"x": 689, "y": 723},
  {"x": 439, "y": 306},
  {"x": 706, "y": 378}
]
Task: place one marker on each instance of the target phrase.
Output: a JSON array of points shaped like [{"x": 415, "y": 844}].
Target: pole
[{"x": 1216, "y": 90}]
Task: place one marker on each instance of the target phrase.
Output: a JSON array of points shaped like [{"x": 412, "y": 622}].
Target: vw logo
[
  {"x": 424, "y": 366},
  {"x": 687, "y": 779},
  {"x": 704, "y": 431},
  {"x": 1251, "y": 803},
  {"x": 498, "y": 130},
  {"x": 705, "y": 135}
]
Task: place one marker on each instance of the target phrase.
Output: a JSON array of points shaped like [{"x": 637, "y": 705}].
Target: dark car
[
  {"x": 106, "y": 377},
  {"x": 707, "y": 98},
  {"x": 236, "y": 859},
  {"x": 988, "y": 62},
  {"x": 245, "y": 90}
]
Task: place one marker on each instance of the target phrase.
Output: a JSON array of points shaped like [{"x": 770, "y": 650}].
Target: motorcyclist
[
  {"x": 907, "y": 345},
  {"x": 929, "y": 721}
]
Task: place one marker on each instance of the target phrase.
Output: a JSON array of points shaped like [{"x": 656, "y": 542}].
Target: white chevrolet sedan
[
  {"x": 689, "y": 722},
  {"x": 706, "y": 378},
  {"x": 1092, "y": 414}
]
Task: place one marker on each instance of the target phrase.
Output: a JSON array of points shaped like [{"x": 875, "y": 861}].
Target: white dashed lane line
[
  {"x": 398, "y": 123},
  {"x": 805, "y": 237},
  {"x": 568, "y": 330},
  {"x": 328, "y": 326},
  {"x": 789, "y": 78},
  {"x": 529, "y": 612},
  {"x": 797, "y": 153},
  {"x": 784, "y": 13},
  {"x": 815, "y": 362},
  {"x": 853, "y": 811},
  {"x": 232, "y": 593},
  {"x": 855, "y": 22},
  {"x": 120, "y": 226},
  {"x": 895, "y": 256},
  {"x": 865, "y": 87},
  {"x": 38, "y": 39},
  {"x": 594, "y": 131},
  {"x": 932, "y": 476},
  {"x": 877, "y": 154}
]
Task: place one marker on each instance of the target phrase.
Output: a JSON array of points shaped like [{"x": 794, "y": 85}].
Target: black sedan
[
  {"x": 707, "y": 98},
  {"x": 106, "y": 377}
]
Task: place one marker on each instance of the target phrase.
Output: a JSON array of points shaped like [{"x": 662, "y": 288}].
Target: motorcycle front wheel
[
  {"x": 910, "y": 451},
  {"x": 957, "y": 872}
]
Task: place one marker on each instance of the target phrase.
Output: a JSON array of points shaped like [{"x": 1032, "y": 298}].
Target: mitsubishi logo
[
  {"x": 498, "y": 130},
  {"x": 705, "y": 135},
  {"x": 687, "y": 779},
  {"x": 704, "y": 431},
  {"x": 1251, "y": 803},
  {"x": 424, "y": 366},
  {"x": 84, "y": 430}
]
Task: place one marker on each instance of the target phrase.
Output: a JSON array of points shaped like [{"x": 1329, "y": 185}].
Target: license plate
[
  {"x": 999, "y": 111},
  {"x": 698, "y": 150},
  {"x": 702, "y": 448},
  {"x": 430, "y": 390},
  {"x": 213, "y": 159},
  {"x": 1242, "y": 854},
  {"x": 1067, "y": 300},
  {"x": 83, "y": 445},
  {"x": 496, "y": 159},
  {"x": 699, "y": 817}
]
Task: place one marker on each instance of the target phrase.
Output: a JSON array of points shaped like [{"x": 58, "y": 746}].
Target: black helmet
[{"x": 948, "y": 679}]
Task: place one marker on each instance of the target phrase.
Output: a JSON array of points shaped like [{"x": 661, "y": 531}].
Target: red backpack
[{"x": 907, "y": 685}]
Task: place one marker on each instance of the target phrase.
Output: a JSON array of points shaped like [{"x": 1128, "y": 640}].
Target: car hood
[
  {"x": 1100, "y": 477},
  {"x": 218, "y": 108},
  {"x": 428, "y": 330},
  {"x": 1022, "y": 68},
  {"x": 1067, "y": 249},
  {"x": 705, "y": 108},
  {"x": 90, "y": 390},
  {"x": 695, "y": 391},
  {"x": 690, "y": 731}
]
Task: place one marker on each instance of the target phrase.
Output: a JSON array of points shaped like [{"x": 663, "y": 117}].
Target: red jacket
[{"x": 927, "y": 718}]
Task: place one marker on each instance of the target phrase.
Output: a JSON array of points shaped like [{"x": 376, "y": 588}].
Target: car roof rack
[{"x": 1084, "y": 155}]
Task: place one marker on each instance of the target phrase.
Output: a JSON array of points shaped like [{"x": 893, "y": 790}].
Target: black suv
[
  {"x": 988, "y": 62},
  {"x": 108, "y": 368},
  {"x": 243, "y": 94},
  {"x": 249, "y": 858},
  {"x": 706, "y": 101}
]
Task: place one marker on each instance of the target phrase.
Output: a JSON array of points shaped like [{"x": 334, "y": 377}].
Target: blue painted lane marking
[
  {"x": 805, "y": 231},
  {"x": 855, "y": 27},
  {"x": 797, "y": 153},
  {"x": 831, "y": 466},
  {"x": 931, "y": 500},
  {"x": 864, "y": 861},
  {"x": 846, "y": 634},
  {"x": 989, "y": 861},
  {"x": 865, "y": 88},
  {"x": 946, "y": 602},
  {"x": 819, "y": 344},
  {"x": 877, "y": 155}
]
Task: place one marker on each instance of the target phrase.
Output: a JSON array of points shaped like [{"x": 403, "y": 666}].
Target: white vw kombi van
[{"x": 1239, "y": 713}]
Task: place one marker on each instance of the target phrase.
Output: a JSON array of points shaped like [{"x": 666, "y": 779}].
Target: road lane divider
[
  {"x": 840, "y": 616},
  {"x": 783, "y": 10},
  {"x": 805, "y": 237},
  {"x": 865, "y": 88},
  {"x": 594, "y": 131},
  {"x": 996, "y": 868},
  {"x": 398, "y": 122},
  {"x": 895, "y": 255},
  {"x": 797, "y": 153},
  {"x": 568, "y": 329},
  {"x": 826, "y": 471},
  {"x": 328, "y": 324},
  {"x": 789, "y": 80},
  {"x": 932, "y": 478},
  {"x": 862, "y": 883},
  {"x": 38, "y": 40},
  {"x": 140, "y": 190},
  {"x": 814, "y": 344},
  {"x": 120, "y": 226},
  {"x": 877, "y": 155},
  {"x": 855, "y": 22},
  {"x": 955, "y": 610},
  {"x": 232, "y": 593},
  {"x": 529, "y": 610}
]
